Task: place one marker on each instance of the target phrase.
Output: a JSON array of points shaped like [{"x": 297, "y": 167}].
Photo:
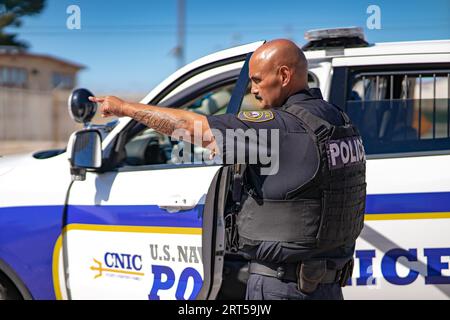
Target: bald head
[
  {"x": 282, "y": 52},
  {"x": 277, "y": 70}
]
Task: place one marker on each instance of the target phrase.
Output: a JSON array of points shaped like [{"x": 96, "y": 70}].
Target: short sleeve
[{"x": 249, "y": 137}]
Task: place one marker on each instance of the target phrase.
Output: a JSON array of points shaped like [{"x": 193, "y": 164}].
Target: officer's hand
[{"x": 110, "y": 106}]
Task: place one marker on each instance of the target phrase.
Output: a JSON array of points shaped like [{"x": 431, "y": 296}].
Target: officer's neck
[{"x": 294, "y": 91}]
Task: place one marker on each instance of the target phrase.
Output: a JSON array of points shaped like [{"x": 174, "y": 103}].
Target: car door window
[
  {"x": 149, "y": 147},
  {"x": 401, "y": 111}
]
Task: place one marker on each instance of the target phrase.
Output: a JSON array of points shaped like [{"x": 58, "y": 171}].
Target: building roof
[{"x": 15, "y": 52}]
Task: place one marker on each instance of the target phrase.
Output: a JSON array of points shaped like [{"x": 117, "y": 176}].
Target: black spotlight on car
[{"x": 81, "y": 109}]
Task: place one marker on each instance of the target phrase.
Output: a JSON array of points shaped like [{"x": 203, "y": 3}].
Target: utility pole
[
  {"x": 181, "y": 36},
  {"x": 289, "y": 31}
]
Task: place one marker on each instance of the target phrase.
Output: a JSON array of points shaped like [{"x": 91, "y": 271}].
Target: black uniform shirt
[{"x": 296, "y": 154}]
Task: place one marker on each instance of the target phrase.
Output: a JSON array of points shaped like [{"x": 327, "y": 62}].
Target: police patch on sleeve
[{"x": 256, "y": 116}]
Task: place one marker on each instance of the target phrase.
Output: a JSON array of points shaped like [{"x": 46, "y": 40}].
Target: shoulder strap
[
  {"x": 343, "y": 114},
  {"x": 313, "y": 123}
]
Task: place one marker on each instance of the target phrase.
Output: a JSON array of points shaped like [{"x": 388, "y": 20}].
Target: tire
[{"x": 8, "y": 290}]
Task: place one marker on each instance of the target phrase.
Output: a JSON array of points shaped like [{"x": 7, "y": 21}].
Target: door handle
[{"x": 177, "y": 203}]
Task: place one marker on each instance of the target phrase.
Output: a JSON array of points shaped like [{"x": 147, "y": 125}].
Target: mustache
[{"x": 257, "y": 97}]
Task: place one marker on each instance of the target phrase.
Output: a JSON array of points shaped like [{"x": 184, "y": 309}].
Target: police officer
[{"x": 297, "y": 223}]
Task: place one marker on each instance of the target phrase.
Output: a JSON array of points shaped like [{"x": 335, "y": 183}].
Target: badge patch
[{"x": 256, "y": 116}]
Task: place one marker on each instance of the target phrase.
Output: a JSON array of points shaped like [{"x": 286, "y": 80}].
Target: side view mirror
[
  {"x": 81, "y": 109},
  {"x": 85, "y": 152}
]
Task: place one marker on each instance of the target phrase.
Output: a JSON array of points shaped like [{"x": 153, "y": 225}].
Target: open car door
[{"x": 151, "y": 232}]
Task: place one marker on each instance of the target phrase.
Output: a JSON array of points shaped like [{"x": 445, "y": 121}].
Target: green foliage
[{"x": 11, "y": 12}]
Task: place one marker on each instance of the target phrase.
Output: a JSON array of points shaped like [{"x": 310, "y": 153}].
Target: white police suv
[{"x": 123, "y": 220}]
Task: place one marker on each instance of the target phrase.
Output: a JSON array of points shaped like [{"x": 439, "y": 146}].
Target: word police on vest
[{"x": 345, "y": 152}]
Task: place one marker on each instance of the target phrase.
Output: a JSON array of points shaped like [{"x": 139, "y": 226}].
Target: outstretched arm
[{"x": 167, "y": 121}]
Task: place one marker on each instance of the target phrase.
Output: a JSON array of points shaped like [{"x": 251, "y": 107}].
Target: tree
[{"x": 11, "y": 12}]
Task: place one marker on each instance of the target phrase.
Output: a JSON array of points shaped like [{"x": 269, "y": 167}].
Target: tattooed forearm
[
  {"x": 177, "y": 123},
  {"x": 159, "y": 121}
]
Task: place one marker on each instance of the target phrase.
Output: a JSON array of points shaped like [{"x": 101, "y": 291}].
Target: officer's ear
[{"x": 285, "y": 74}]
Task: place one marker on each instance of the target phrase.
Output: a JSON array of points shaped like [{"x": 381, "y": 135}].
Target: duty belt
[{"x": 288, "y": 271}]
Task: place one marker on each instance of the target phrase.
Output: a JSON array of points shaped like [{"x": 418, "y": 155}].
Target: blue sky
[{"x": 127, "y": 45}]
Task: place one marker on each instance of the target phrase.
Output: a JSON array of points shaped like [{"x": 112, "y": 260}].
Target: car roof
[{"x": 384, "y": 48}]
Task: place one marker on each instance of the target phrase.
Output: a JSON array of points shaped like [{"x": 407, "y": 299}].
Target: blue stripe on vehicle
[
  {"x": 140, "y": 215},
  {"x": 27, "y": 239},
  {"x": 408, "y": 203}
]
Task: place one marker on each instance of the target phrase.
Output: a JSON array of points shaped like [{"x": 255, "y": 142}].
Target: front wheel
[{"x": 8, "y": 290}]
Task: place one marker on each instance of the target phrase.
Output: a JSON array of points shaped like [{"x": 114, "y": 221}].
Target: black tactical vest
[{"x": 336, "y": 215}]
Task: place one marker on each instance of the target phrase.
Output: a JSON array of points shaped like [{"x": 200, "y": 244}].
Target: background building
[{"x": 33, "y": 100}]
